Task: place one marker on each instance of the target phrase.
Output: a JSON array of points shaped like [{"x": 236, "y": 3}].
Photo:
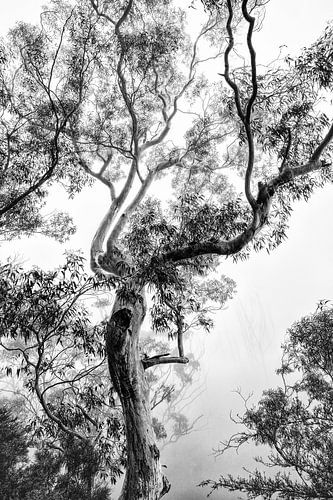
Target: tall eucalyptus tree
[{"x": 126, "y": 104}]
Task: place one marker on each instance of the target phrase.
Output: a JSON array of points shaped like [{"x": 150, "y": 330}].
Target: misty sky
[{"x": 272, "y": 290}]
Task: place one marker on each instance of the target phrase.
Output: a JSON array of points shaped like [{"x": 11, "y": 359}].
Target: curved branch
[
  {"x": 130, "y": 209},
  {"x": 192, "y": 68},
  {"x": 42, "y": 180},
  {"x": 46, "y": 407},
  {"x": 244, "y": 116},
  {"x": 260, "y": 214},
  {"x": 104, "y": 227},
  {"x": 247, "y": 121}
]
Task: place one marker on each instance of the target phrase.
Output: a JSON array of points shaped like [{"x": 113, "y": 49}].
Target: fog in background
[{"x": 273, "y": 290}]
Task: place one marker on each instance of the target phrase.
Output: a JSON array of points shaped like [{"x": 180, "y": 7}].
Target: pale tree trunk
[{"x": 144, "y": 479}]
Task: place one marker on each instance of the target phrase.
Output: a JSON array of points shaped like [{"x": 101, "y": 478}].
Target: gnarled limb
[
  {"x": 244, "y": 115},
  {"x": 260, "y": 214}
]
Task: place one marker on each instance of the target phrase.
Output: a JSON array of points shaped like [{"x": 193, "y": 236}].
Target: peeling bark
[{"x": 144, "y": 479}]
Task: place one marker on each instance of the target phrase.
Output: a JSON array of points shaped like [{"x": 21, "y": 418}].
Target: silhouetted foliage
[
  {"x": 13, "y": 450},
  {"x": 67, "y": 473}
]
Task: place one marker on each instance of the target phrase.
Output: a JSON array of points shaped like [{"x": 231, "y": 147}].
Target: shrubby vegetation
[{"x": 295, "y": 421}]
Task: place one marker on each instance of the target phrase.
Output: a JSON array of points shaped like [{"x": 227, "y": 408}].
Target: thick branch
[
  {"x": 259, "y": 219},
  {"x": 105, "y": 225},
  {"x": 163, "y": 359},
  {"x": 99, "y": 240},
  {"x": 130, "y": 209}
]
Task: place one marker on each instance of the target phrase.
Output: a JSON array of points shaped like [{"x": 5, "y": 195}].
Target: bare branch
[
  {"x": 245, "y": 116},
  {"x": 163, "y": 359},
  {"x": 247, "y": 122}
]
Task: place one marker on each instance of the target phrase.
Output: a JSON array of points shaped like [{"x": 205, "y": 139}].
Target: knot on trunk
[
  {"x": 118, "y": 326},
  {"x": 122, "y": 318}
]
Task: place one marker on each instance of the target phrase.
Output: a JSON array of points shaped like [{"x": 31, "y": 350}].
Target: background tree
[
  {"x": 172, "y": 392},
  {"x": 295, "y": 421},
  {"x": 43, "y": 473},
  {"x": 13, "y": 450},
  {"x": 130, "y": 65},
  {"x": 32, "y": 123},
  {"x": 58, "y": 360}
]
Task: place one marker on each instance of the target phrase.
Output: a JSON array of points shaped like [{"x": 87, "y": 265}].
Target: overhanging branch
[{"x": 260, "y": 214}]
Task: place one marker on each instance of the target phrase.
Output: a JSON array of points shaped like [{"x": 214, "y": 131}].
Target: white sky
[{"x": 273, "y": 291}]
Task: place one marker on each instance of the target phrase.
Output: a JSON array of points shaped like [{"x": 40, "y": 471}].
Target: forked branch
[{"x": 260, "y": 213}]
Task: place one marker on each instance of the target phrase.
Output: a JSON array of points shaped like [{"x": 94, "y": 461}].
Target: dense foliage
[
  {"x": 13, "y": 451},
  {"x": 53, "y": 363},
  {"x": 58, "y": 359},
  {"x": 63, "y": 471}
]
